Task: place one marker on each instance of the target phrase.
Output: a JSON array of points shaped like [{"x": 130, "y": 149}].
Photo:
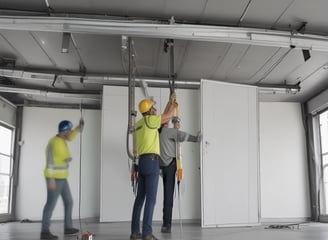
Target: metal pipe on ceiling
[
  {"x": 90, "y": 97},
  {"x": 92, "y": 79},
  {"x": 244, "y": 12},
  {"x": 116, "y": 81}
]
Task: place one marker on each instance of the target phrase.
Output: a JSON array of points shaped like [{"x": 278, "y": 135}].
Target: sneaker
[
  {"x": 166, "y": 229},
  {"x": 135, "y": 236},
  {"x": 149, "y": 237},
  {"x": 48, "y": 236},
  {"x": 71, "y": 231}
]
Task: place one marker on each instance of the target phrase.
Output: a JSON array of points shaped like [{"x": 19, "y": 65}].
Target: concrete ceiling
[{"x": 254, "y": 42}]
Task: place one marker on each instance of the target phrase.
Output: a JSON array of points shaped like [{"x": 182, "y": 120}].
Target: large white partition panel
[
  {"x": 117, "y": 197},
  {"x": 284, "y": 169},
  {"x": 229, "y": 171},
  {"x": 38, "y": 126}
]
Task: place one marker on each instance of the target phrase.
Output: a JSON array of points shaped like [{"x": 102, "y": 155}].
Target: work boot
[
  {"x": 135, "y": 236},
  {"x": 166, "y": 229},
  {"x": 149, "y": 237},
  {"x": 71, "y": 231},
  {"x": 48, "y": 236}
]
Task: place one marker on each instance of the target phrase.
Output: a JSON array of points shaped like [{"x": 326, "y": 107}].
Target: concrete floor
[{"x": 190, "y": 231}]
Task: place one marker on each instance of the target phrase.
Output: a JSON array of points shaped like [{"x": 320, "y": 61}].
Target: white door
[{"x": 229, "y": 162}]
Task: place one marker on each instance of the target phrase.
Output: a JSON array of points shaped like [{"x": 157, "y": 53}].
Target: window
[
  {"x": 323, "y": 120},
  {"x": 6, "y": 163}
]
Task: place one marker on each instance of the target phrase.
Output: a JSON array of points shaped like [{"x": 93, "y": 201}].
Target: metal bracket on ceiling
[
  {"x": 54, "y": 81},
  {"x": 172, "y": 20},
  {"x": 49, "y": 8},
  {"x": 301, "y": 29}
]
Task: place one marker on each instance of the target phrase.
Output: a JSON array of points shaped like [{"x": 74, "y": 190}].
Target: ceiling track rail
[{"x": 151, "y": 29}]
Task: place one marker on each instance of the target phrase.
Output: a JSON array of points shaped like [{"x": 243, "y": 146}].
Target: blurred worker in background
[
  {"x": 168, "y": 139},
  {"x": 56, "y": 172},
  {"x": 147, "y": 139}
]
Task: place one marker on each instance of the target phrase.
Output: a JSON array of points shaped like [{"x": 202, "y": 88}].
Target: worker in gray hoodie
[{"x": 168, "y": 139}]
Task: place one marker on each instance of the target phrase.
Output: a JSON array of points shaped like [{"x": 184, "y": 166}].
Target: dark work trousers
[
  {"x": 168, "y": 174},
  {"x": 147, "y": 191}
]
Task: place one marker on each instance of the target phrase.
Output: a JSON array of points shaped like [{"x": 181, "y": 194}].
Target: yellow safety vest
[
  {"x": 58, "y": 156},
  {"x": 147, "y": 136}
]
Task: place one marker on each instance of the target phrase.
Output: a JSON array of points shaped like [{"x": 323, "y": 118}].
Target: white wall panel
[
  {"x": 39, "y": 125},
  {"x": 284, "y": 172},
  {"x": 229, "y": 154}
]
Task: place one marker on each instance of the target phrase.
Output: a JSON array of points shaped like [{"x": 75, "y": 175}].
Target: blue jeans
[
  {"x": 62, "y": 188},
  {"x": 148, "y": 176},
  {"x": 168, "y": 174}
]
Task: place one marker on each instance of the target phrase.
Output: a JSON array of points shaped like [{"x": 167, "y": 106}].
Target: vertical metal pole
[
  {"x": 132, "y": 114},
  {"x": 172, "y": 74}
]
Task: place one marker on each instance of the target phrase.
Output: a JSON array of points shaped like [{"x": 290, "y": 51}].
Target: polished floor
[{"x": 190, "y": 231}]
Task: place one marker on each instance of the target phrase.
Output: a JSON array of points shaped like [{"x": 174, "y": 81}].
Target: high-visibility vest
[
  {"x": 58, "y": 156},
  {"x": 147, "y": 135}
]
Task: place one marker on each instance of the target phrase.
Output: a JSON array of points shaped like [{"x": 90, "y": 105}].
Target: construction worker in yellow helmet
[
  {"x": 56, "y": 173},
  {"x": 148, "y": 149}
]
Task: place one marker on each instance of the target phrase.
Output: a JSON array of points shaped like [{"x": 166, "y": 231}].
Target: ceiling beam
[{"x": 157, "y": 29}]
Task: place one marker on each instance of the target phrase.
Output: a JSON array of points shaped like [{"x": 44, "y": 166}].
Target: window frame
[{"x": 9, "y": 214}]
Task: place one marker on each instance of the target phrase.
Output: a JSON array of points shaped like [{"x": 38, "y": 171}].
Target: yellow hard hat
[{"x": 145, "y": 105}]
